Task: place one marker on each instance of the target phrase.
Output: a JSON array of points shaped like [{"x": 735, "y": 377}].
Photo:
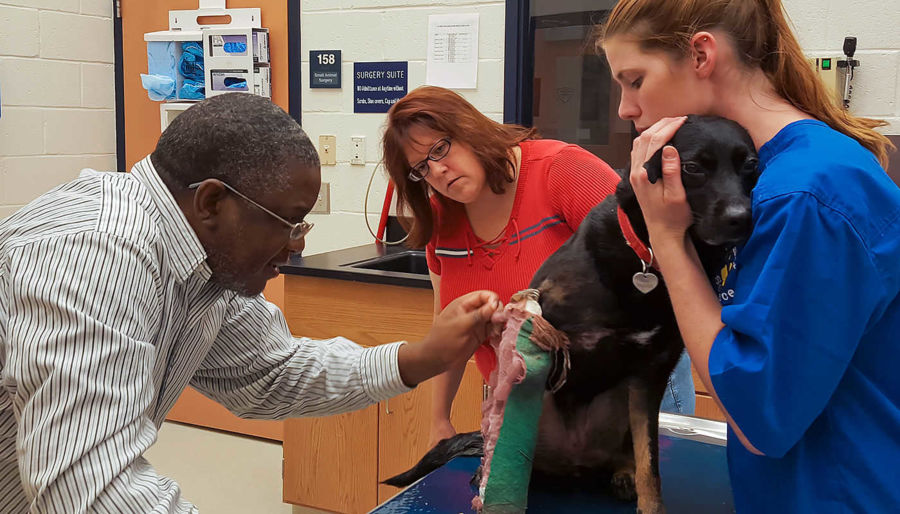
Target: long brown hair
[
  {"x": 763, "y": 38},
  {"x": 447, "y": 113}
]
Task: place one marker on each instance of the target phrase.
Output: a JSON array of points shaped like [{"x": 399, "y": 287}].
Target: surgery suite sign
[{"x": 378, "y": 85}]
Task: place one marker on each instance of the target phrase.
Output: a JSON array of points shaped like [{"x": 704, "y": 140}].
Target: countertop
[{"x": 336, "y": 265}]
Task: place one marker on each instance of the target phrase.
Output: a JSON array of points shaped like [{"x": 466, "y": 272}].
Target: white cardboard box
[
  {"x": 226, "y": 69},
  {"x": 237, "y": 42}
]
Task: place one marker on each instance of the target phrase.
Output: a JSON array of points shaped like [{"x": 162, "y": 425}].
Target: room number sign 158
[{"x": 325, "y": 69}]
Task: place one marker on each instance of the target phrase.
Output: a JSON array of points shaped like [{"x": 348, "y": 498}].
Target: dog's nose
[{"x": 736, "y": 219}]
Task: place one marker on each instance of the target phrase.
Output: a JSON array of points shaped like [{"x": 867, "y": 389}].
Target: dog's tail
[{"x": 468, "y": 444}]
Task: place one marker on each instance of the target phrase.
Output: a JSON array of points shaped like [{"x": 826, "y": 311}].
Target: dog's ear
[{"x": 654, "y": 167}]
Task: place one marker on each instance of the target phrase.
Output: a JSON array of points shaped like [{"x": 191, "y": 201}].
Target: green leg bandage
[{"x": 510, "y": 469}]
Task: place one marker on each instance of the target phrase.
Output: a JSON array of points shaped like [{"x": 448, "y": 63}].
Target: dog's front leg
[{"x": 643, "y": 417}]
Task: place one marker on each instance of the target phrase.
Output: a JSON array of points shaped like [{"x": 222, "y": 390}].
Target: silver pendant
[{"x": 645, "y": 282}]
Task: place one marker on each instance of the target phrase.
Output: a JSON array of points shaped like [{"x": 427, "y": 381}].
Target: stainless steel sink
[{"x": 409, "y": 261}]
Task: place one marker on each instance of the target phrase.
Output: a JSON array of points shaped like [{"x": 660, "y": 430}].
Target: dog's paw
[{"x": 622, "y": 484}]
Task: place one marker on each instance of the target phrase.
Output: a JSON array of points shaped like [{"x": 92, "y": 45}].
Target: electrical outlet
[
  {"x": 323, "y": 201},
  {"x": 327, "y": 150},
  {"x": 358, "y": 150}
]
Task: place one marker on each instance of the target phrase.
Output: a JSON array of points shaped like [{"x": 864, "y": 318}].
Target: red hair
[{"x": 450, "y": 115}]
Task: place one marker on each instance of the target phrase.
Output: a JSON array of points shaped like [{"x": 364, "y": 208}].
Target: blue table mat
[{"x": 694, "y": 479}]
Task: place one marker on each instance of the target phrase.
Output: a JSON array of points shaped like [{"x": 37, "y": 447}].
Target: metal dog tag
[{"x": 645, "y": 282}]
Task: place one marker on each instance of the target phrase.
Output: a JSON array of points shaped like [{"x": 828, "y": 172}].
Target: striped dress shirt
[{"x": 107, "y": 312}]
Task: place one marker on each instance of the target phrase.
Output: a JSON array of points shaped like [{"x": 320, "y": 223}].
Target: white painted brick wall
[
  {"x": 98, "y": 91},
  {"x": 39, "y": 82},
  {"x": 79, "y": 131},
  {"x": 97, "y": 8},
  {"x": 24, "y": 178},
  {"x": 63, "y": 37},
  {"x": 821, "y": 26},
  {"x": 20, "y": 32},
  {"x": 57, "y": 90},
  {"x": 49, "y": 5},
  {"x": 21, "y": 131}
]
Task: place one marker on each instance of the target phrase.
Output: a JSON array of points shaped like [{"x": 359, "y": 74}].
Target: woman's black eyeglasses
[{"x": 438, "y": 151}]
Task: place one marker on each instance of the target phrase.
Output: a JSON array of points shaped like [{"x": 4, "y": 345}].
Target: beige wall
[
  {"x": 821, "y": 28},
  {"x": 57, "y": 94}
]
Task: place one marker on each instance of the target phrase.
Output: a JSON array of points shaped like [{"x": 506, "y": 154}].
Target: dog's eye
[
  {"x": 751, "y": 166},
  {"x": 692, "y": 174}
]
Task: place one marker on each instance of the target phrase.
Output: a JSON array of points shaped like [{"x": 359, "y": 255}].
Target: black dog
[{"x": 624, "y": 340}]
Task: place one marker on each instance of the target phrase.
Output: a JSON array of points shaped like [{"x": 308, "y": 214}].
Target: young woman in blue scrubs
[{"x": 800, "y": 344}]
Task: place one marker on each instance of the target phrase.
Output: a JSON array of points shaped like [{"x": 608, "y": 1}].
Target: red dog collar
[{"x": 632, "y": 240}]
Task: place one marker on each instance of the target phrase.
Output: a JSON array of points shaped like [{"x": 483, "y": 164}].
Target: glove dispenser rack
[{"x": 206, "y": 52}]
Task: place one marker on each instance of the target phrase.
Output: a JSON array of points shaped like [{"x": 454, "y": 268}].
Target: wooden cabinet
[
  {"x": 365, "y": 313},
  {"x": 335, "y": 463},
  {"x": 331, "y": 463}
]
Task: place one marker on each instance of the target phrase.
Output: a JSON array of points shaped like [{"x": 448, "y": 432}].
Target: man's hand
[{"x": 454, "y": 336}]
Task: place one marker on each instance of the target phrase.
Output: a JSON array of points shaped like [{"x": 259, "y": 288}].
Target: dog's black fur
[{"x": 603, "y": 424}]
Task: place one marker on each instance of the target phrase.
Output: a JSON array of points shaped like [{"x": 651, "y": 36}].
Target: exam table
[{"x": 692, "y": 466}]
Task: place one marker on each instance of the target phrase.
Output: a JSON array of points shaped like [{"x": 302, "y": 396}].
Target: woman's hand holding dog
[
  {"x": 664, "y": 203},
  {"x": 455, "y": 334}
]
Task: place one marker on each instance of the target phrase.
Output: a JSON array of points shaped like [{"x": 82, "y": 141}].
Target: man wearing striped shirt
[{"x": 119, "y": 290}]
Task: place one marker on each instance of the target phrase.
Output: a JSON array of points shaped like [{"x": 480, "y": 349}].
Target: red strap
[
  {"x": 642, "y": 251},
  {"x": 385, "y": 209}
]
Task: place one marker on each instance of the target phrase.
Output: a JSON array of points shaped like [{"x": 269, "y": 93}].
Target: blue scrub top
[{"x": 807, "y": 362}]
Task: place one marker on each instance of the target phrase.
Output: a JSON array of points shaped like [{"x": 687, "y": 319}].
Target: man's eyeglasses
[
  {"x": 298, "y": 230},
  {"x": 438, "y": 151}
]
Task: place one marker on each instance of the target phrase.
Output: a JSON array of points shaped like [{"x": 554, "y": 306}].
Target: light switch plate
[
  {"x": 323, "y": 202},
  {"x": 327, "y": 150},
  {"x": 358, "y": 150}
]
